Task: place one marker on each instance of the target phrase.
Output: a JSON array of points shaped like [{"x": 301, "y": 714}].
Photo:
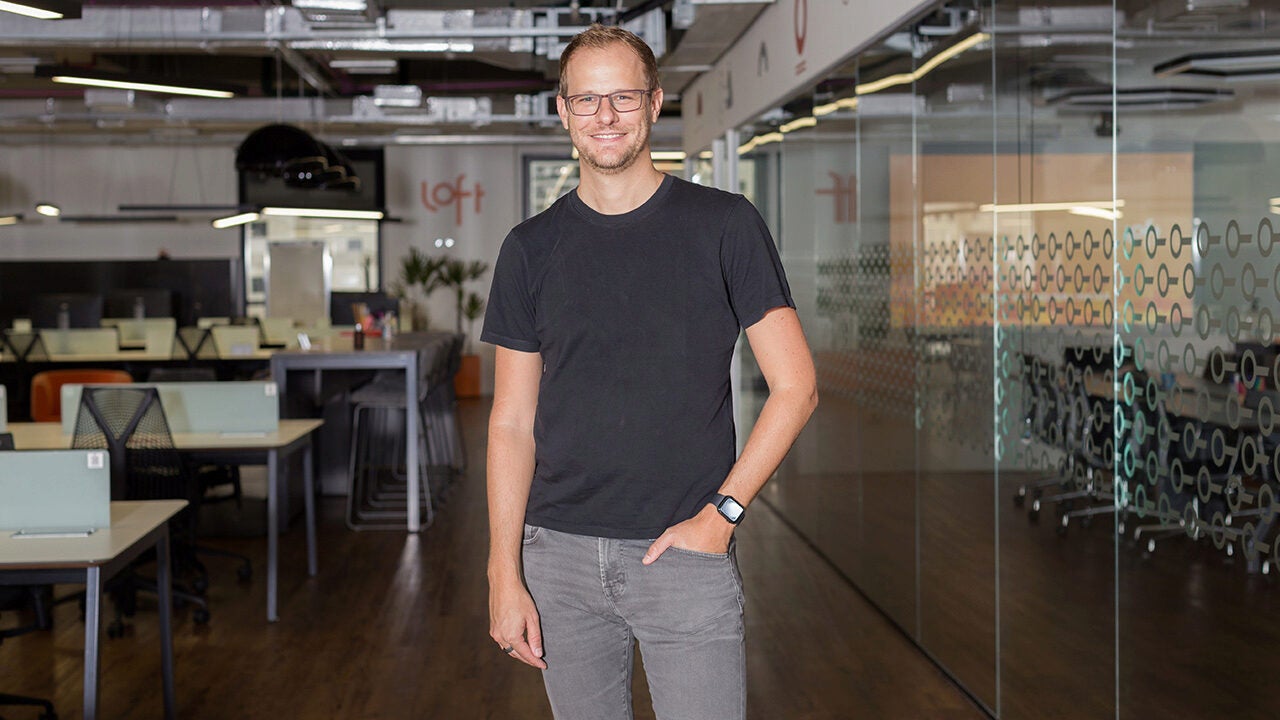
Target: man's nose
[{"x": 606, "y": 114}]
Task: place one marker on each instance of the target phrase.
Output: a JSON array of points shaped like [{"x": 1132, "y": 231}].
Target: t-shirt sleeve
[
  {"x": 752, "y": 269},
  {"x": 509, "y": 315}
]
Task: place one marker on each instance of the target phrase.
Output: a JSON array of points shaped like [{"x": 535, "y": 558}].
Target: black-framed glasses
[{"x": 621, "y": 101}]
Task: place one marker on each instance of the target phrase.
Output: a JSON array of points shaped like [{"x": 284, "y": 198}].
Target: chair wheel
[
  {"x": 244, "y": 572},
  {"x": 200, "y": 616}
]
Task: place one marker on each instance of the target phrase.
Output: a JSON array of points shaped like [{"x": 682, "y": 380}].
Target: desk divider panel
[
  {"x": 91, "y": 341},
  {"x": 249, "y": 406},
  {"x": 55, "y": 490},
  {"x": 157, "y": 335}
]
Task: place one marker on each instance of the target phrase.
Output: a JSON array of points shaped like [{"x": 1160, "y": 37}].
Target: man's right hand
[{"x": 514, "y": 623}]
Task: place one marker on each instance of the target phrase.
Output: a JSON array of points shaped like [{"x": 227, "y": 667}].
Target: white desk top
[
  {"x": 48, "y": 436},
  {"x": 130, "y": 521}
]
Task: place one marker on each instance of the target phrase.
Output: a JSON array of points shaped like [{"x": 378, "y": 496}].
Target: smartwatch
[{"x": 728, "y": 508}]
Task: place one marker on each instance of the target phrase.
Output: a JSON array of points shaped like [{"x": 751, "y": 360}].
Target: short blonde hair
[{"x": 601, "y": 36}]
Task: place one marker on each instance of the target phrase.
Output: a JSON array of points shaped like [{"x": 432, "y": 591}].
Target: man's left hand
[{"x": 705, "y": 532}]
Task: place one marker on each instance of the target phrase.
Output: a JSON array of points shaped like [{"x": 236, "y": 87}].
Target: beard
[{"x": 616, "y": 160}]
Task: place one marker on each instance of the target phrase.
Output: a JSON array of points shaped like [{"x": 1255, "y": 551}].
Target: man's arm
[
  {"x": 513, "y": 619},
  {"x": 783, "y": 355}
]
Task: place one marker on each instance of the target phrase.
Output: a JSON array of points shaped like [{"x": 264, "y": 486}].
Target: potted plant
[{"x": 421, "y": 271}]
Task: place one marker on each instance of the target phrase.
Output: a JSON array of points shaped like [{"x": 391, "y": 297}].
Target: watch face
[{"x": 731, "y": 510}]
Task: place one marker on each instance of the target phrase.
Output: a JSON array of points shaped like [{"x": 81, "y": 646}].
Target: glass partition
[{"x": 1031, "y": 248}]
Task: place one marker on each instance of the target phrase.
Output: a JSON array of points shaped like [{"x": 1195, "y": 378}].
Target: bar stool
[{"x": 377, "y": 492}]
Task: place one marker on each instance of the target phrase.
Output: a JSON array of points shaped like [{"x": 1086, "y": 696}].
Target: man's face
[{"x": 609, "y": 142}]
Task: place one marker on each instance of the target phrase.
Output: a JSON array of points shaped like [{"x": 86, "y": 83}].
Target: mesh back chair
[
  {"x": 15, "y": 597},
  {"x": 129, "y": 422}
]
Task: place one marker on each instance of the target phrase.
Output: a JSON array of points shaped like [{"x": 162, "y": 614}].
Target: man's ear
[
  {"x": 657, "y": 104},
  {"x": 563, "y": 111}
]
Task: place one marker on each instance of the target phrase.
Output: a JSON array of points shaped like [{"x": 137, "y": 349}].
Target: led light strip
[{"x": 142, "y": 87}]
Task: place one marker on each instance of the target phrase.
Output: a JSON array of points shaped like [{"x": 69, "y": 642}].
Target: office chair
[
  {"x": 46, "y": 388},
  {"x": 16, "y": 597},
  {"x": 218, "y": 482},
  {"x": 129, "y": 422}
]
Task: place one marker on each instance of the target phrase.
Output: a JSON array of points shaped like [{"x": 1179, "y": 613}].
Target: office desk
[
  {"x": 135, "y": 527},
  {"x": 412, "y": 353},
  {"x": 242, "y": 448}
]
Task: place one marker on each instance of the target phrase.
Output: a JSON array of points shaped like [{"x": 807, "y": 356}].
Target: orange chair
[{"x": 46, "y": 388}]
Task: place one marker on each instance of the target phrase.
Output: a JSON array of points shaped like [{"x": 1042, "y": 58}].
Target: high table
[
  {"x": 93, "y": 560},
  {"x": 412, "y": 353},
  {"x": 245, "y": 448}
]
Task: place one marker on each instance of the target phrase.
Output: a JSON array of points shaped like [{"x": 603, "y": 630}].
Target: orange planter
[{"x": 467, "y": 382}]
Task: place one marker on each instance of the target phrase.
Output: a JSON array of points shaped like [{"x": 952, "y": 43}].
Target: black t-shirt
[{"x": 635, "y": 317}]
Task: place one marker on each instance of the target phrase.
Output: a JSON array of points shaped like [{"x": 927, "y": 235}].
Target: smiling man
[{"x": 614, "y": 490}]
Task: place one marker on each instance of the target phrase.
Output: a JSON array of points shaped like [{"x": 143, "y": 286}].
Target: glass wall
[{"x": 1031, "y": 247}]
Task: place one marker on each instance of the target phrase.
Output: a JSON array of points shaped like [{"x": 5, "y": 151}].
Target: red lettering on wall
[
  {"x": 437, "y": 196},
  {"x": 844, "y": 193}
]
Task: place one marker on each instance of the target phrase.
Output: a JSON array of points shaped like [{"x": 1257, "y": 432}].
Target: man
[{"x": 611, "y": 473}]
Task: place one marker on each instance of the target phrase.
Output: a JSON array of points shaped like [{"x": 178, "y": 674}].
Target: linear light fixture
[
  {"x": 924, "y": 69},
  {"x": 758, "y": 140},
  {"x": 336, "y": 5},
  {"x": 798, "y": 123},
  {"x": 849, "y": 103},
  {"x": 1054, "y": 207},
  {"x": 43, "y": 9},
  {"x": 323, "y": 213},
  {"x": 10, "y": 219},
  {"x": 1097, "y": 212},
  {"x": 235, "y": 220},
  {"x": 356, "y": 66},
  {"x": 93, "y": 78},
  {"x": 48, "y": 209},
  {"x": 667, "y": 155}
]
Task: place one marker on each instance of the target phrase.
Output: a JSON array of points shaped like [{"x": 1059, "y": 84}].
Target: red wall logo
[
  {"x": 844, "y": 194},
  {"x": 801, "y": 17},
  {"x": 436, "y": 197}
]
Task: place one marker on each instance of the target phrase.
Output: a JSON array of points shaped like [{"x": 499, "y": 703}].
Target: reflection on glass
[{"x": 1037, "y": 277}]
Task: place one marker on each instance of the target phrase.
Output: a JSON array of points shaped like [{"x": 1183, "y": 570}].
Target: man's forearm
[
  {"x": 509, "y": 477},
  {"x": 781, "y": 419}
]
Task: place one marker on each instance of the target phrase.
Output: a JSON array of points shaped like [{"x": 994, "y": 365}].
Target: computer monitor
[
  {"x": 82, "y": 310},
  {"x": 125, "y": 302},
  {"x": 340, "y": 305}
]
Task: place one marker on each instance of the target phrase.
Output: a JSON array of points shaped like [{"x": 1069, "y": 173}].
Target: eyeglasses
[{"x": 621, "y": 101}]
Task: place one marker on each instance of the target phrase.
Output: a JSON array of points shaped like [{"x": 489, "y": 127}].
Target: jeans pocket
[
  {"x": 531, "y": 534},
  {"x": 699, "y": 553}
]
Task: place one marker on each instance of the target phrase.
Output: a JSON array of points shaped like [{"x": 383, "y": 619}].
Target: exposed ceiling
[{"x": 424, "y": 68}]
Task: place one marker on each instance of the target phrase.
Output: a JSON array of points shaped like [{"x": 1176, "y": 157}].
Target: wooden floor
[{"x": 395, "y": 626}]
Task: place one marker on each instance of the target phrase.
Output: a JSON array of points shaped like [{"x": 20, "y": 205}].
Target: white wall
[
  {"x": 96, "y": 180},
  {"x": 476, "y": 228}
]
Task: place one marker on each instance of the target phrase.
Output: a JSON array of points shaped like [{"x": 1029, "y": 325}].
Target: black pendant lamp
[{"x": 280, "y": 150}]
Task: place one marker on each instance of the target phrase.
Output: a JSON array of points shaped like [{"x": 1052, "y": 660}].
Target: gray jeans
[{"x": 595, "y": 599}]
